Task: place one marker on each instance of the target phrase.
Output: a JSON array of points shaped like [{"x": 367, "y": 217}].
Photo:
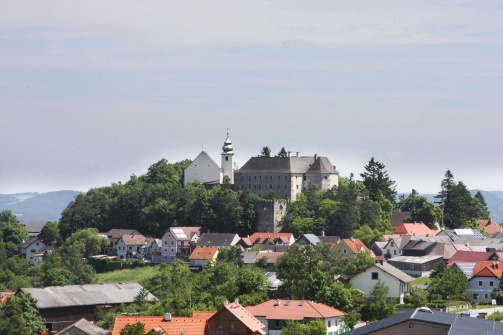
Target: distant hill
[
  {"x": 494, "y": 201},
  {"x": 37, "y": 206}
]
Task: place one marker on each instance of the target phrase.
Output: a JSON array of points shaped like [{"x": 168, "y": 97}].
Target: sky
[{"x": 93, "y": 92}]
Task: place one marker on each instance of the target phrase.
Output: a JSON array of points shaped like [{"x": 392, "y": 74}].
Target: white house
[
  {"x": 132, "y": 245},
  {"x": 179, "y": 241},
  {"x": 485, "y": 278},
  {"x": 31, "y": 248},
  {"x": 275, "y": 312},
  {"x": 396, "y": 280},
  {"x": 153, "y": 249}
]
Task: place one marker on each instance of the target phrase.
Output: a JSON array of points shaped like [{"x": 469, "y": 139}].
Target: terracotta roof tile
[
  {"x": 134, "y": 239},
  {"x": 293, "y": 310},
  {"x": 462, "y": 256},
  {"x": 488, "y": 269},
  {"x": 4, "y": 296},
  {"x": 244, "y": 315},
  {"x": 261, "y": 238},
  {"x": 194, "y": 325},
  {"x": 490, "y": 226},
  {"x": 203, "y": 253},
  {"x": 415, "y": 229}
]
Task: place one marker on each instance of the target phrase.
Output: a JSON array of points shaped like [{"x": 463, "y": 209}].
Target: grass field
[
  {"x": 421, "y": 281},
  {"x": 138, "y": 275}
]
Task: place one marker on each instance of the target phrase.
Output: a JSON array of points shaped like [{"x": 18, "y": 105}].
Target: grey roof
[
  {"x": 311, "y": 238},
  {"x": 457, "y": 324},
  {"x": 287, "y": 165},
  {"x": 322, "y": 165},
  {"x": 218, "y": 240},
  {"x": 85, "y": 295},
  {"x": 415, "y": 259},
  {"x": 399, "y": 274},
  {"x": 28, "y": 242},
  {"x": 35, "y": 227},
  {"x": 466, "y": 268},
  {"x": 82, "y": 327},
  {"x": 249, "y": 257}
]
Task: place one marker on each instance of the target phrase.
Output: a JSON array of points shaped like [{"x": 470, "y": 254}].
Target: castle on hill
[{"x": 285, "y": 176}]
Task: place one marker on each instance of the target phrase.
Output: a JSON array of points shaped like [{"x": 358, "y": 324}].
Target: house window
[
  {"x": 329, "y": 324},
  {"x": 491, "y": 283},
  {"x": 232, "y": 324},
  {"x": 344, "y": 251},
  {"x": 475, "y": 295},
  {"x": 33, "y": 250},
  {"x": 411, "y": 266},
  {"x": 220, "y": 324},
  {"x": 394, "y": 252},
  {"x": 481, "y": 283},
  {"x": 486, "y": 296},
  {"x": 375, "y": 276},
  {"x": 304, "y": 178}
]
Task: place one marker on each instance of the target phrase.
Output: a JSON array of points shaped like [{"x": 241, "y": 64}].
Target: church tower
[{"x": 227, "y": 154}]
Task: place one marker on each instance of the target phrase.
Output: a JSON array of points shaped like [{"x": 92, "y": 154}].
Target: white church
[{"x": 285, "y": 176}]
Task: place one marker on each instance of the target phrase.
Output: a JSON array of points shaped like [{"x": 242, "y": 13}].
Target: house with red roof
[
  {"x": 200, "y": 256},
  {"x": 234, "y": 319},
  {"x": 179, "y": 242},
  {"x": 464, "y": 256},
  {"x": 167, "y": 324},
  {"x": 414, "y": 229},
  {"x": 485, "y": 278},
  {"x": 489, "y": 226},
  {"x": 275, "y": 312},
  {"x": 131, "y": 246},
  {"x": 349, "y": 247}
]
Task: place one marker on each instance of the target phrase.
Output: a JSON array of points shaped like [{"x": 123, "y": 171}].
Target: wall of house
[
  {"x": 169, "y": 247},
  {"x": 481, "y": 287},
  {"x": 225, "y": 322},
  {"x": 32, "y": 250},
  {"x": 261, "y": 183},
  {"x": 366, "y": 281}
]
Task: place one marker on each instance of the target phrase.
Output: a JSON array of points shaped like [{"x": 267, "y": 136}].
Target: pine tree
[{"x": 376, "y": 180}]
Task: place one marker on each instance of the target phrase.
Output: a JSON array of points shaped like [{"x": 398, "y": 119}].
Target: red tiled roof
[
  {"x": 415, "y": 229},
  {"x": 261, "y": 238},
  {"x": 293, "y": 310},
  {"x": 244, "y": 315},
  {"x": 246, "y": 241},
  {"x": 203, "y": 253},
  {"x": 490, "y": 226},
  {"x": 355, "y": 244},
  {"x": 387, "y": 237},
  {"x": 5, "y": 296},
  {"x": 462, "y": 256},
  {"x": 134, "y": 239},
  {"x": 488, "y": 269},
  {"x": 194, "y": 325}
]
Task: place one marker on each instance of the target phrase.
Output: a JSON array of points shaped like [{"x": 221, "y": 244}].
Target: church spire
[{"x": 227, "y": 153}]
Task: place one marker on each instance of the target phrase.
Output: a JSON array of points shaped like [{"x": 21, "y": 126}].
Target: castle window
[
  {"x": 249, "y": 177},
  {"x": 265, "y": 177},
  {"x": 270, "y": 186},
  {"x": 326, "y": 177},
  {"x": 255, "y": 177},
  {"x": 278, "y": 187},
  {"x": 278, "y": 177},
  {"x": 297, "y": 186},
  {"x": 226, "y": 158},
  {"x": 254, "y": 187},
  {"x": 249, "y": 186},
  {"x": 304, "y": 178}
]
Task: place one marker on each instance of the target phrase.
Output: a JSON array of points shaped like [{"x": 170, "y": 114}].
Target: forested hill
[
  {"x": 494, "y": 201},
  {"x": 37, "y": 206}
]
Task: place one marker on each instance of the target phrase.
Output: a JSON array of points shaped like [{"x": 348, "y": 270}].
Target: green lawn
[{"x": 138, "y": 275}]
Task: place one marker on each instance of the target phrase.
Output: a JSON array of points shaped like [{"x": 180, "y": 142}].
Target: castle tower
[{"x": 227, "y": 165}]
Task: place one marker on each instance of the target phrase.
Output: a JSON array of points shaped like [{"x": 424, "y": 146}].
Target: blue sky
[{"x": 93, "y": 92}]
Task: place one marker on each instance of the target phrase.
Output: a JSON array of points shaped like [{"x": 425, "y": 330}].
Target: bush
[
  {"x": 101, "y": 265},
  {"x": 496, "y": 316}
]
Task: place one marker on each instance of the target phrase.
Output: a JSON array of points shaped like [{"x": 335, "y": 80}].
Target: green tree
[
  {"x": 379, "y": 307},
  {"x": 360, "y": 262},
  {"x": 133, "y": 329},
  {"x": 266, "y": 152},
  {"x": 376, "y": 180},
  {"x": 418, "y": 297},
  {"x": 51, "y": 235},
  {"x": 479, "y": 207},
  {"x": 368, "y": 235},
  {"x": 450, "y": 283},
  {"x": 282, "y": 152},
  {"x": 20, "y": 316},
  {"x": 421, "y": 209}
]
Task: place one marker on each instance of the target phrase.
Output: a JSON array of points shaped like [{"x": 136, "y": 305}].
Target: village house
[
  {"x": 61, "y": 306},
  {"x": 274, "y": 313},
  {"x": 414, "y": 229},
  {"x": 218, "y": 240},
  {"x": 83, "y": 327},
  {"x": 349, "y": 247},
  {"x": 202, "y": 255},
  {"x": 485, "y": 278},
  {"x": 31, "y": 250},
  {"x": 179, "y": 242},
  {"x": 490, "y": 226},
  {"x": 131, "y": 246},
  {"x": 153, "y": 250},
  {"x": 167, "y": 324},
  {"x": 235, "y": 319},
  {"x": 311, "y": 239},
  {"x": 114, "y": 235},
  {"x": 418, "y": 266},
  {"x": 396, "y": 280}
]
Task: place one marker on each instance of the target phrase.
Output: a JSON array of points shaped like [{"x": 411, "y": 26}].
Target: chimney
[
  {"x": 167, "y": 317},
  {"x": 315, "y": 156},
  {"x": 236, "y": 301},
  {"x": 226, "y": 302},
  {"x": 322, "y": 233},
  {"x": 278, "y": 302},
  {"x": 298, "y": 153}
]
